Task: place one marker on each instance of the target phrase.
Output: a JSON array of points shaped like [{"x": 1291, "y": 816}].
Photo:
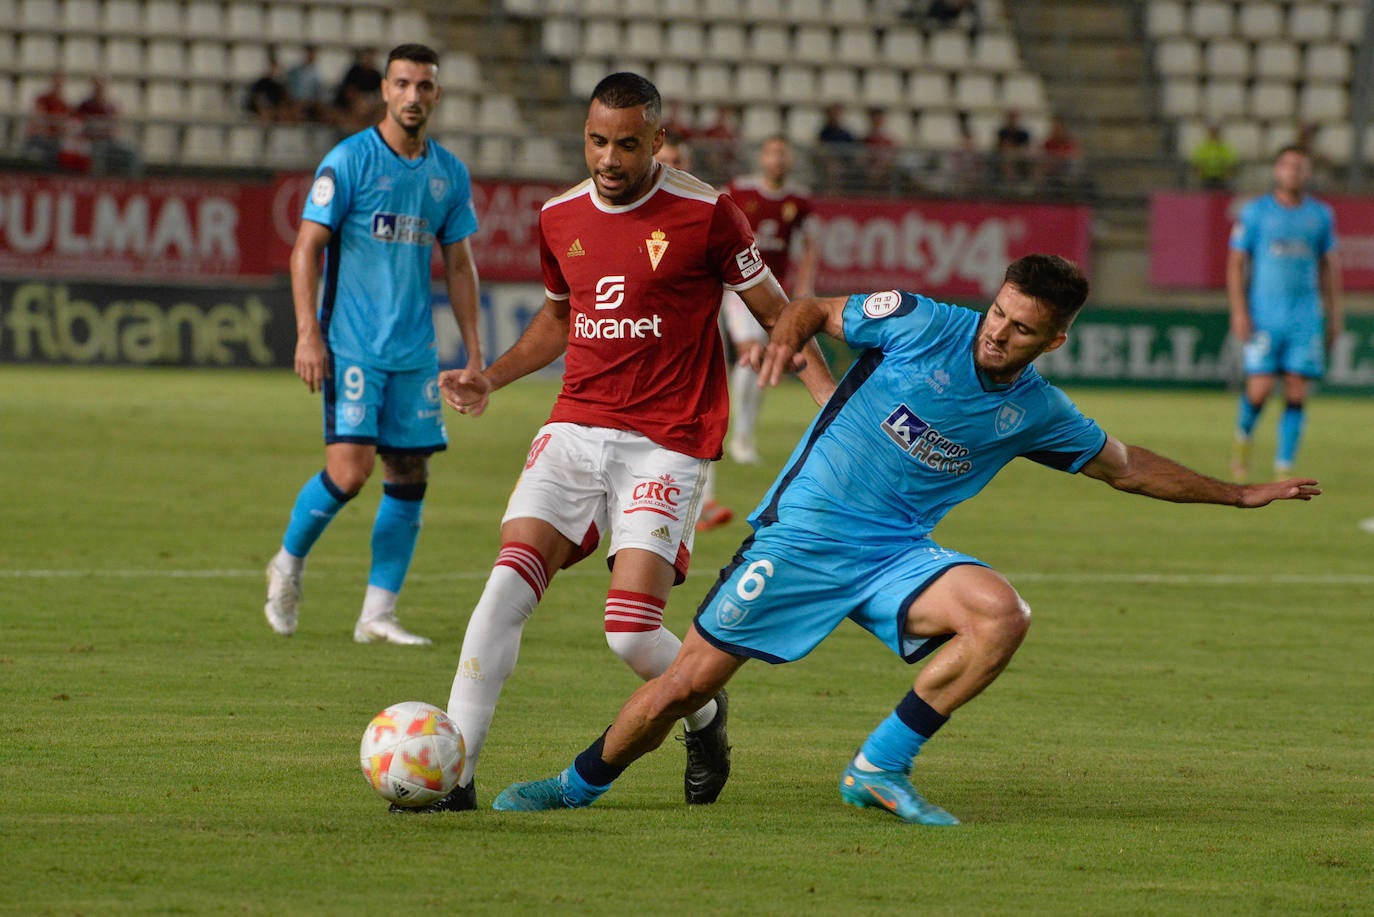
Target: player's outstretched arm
[
  {"x": 1137, "y": 470},
  {"x": 798, "y": 322},
  {"x": 767, "y": 300}
]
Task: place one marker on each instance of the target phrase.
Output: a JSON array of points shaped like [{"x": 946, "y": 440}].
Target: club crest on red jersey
[{"x": 657, "y": 243}]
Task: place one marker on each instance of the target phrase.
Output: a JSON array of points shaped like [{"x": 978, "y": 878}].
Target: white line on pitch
[{"x": 1172, "y": 579}]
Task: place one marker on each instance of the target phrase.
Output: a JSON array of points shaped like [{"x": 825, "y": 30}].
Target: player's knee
[
  {"x": 637, "y": 649},
  {"x": 1001, "y": 615}
]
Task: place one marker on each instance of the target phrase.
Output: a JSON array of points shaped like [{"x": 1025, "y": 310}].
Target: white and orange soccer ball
[{"x": 412, "y": 753}]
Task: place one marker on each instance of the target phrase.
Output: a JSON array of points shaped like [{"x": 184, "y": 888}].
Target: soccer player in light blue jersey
[
  {"x": 1283, "y": 280},
  {"x": 940, "y": 399},
  {"x": 365, "y": 337}
]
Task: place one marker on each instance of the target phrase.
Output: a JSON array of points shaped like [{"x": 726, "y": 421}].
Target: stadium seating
[
  {"x": 1257, "y": 68},
  {"x": 178, "y": 68}
]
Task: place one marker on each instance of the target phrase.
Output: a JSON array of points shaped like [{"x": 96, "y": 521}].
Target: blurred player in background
[
  {"x": 380, "y": 201},
  {"x": 678, "y": 155},
  {"x": 1283, "y": 278},
  {"x": 780, "y": 213},
  {"x": 845, "y": 530},
  {"x": 634, "y": 260}
]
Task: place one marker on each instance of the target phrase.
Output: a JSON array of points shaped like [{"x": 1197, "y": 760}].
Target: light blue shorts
[
  {"x": 779, "y": 598},
  {"x": 1292, "y": 349},
  {"x": 398, "y": 412}
]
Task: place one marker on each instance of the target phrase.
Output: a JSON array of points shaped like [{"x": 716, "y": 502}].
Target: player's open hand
[
  {"x": 310, "y": 361},
  {"x": 1255, "y": 495},
  {"x": 465, "y": 390}
]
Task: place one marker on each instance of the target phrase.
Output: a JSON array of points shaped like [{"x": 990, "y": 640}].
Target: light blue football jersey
[
  {"x": 912, "y": 429},
  {"x": 1285, "y": 245},
  {"x": 386, "y": 212}
]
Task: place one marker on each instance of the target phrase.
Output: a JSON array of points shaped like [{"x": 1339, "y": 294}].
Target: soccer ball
[{"x": 412, "y": 753}]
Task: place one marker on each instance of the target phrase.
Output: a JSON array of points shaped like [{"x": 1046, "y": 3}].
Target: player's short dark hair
[
  {"x": 413, "y": 52},
  {"x": 629, "y": 90},
  {"x": 1055, "y": 282},
  {"x": 1291, "y": 148}
]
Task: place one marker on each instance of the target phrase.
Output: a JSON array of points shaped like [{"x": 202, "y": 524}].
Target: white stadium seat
[
  {"x": 1310, "y": 22},
  {"x": 1277, "y": 60},
  {"x": 1259, "y": 20}
]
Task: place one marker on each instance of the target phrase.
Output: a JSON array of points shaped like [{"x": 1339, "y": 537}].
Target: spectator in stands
[
  {"x": 306, "y": 86},
  {"x": 836, "y": 149},
  {"x": 99, "y": 116},
  {"x": 48, "y": 122},
  {"x": 965, "y": 163},
  {"x": 1061, "y": 156},
  {"x": 879, "y": 154},
  {"x": 1013, "y": 149},
  {"x": 1214, "y": 160},
  {"x": 268, "y": 97},
  {"x": 358, "y": 100},
  {"x": 944, "y": 14},
  {"x": 719, "y": 144}
]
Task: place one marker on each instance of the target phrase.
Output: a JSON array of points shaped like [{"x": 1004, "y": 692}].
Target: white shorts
[
  {"x": 740, "y": 324},
  {"x": 585, "y": 481}
]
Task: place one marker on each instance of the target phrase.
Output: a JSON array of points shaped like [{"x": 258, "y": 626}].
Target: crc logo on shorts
[
  {"x": 610, "y": 292},
  {"x": 881, "y": 305},
  {"x": 925, "y": 444},
  {"x": 353, "y": 413},
  {"x": 659, "y": 495}
]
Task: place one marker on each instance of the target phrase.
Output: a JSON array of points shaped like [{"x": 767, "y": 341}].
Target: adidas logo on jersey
[
  {"x": 662, "y": 534},
  {"x": 575, "y": 250}
]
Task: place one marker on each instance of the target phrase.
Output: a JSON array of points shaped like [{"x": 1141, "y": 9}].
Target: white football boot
[
  {"x": 283, "y": 599},
  {"x": 386, "y": 629}
]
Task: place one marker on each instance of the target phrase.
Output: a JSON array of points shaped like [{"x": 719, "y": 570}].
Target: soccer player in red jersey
[
  {"x": 780, "y": 214},
  {"x": 634, "y": 260}
]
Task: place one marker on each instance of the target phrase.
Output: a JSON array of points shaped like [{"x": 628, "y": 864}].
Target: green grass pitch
[{"x": 1186, "y": 730}]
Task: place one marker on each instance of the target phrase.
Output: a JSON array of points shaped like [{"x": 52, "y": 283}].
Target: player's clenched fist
[{"x": 465, "y": 390}]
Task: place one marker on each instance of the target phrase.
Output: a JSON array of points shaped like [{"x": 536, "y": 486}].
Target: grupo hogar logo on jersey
[
  {"x": 924, "y": 443},
  {"x": 400, "y": 227}
]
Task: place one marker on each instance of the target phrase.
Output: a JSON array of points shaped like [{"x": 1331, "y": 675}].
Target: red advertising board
[
  {"x": 186, "y": 230},
  {"x": 1189, "y": 233},
  {"x": 955, "y": 249},
  {"x": 170, "y": 229}
]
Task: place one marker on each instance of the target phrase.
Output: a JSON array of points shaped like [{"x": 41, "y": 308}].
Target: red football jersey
[
  {"x": 643, "y": 282},
  {"x": 777, "y": 217}
]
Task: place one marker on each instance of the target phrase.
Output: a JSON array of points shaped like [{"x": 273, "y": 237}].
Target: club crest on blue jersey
[
  {"x": 1009, "y": 417},
  {"x": 438, "y": 187}
]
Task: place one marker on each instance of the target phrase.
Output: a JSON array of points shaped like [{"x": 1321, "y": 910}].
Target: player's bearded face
[
  {"x": 1015, "y": 330},
  {"x": 410, "y": 91},
  {"x": 620, "y": 147}
]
